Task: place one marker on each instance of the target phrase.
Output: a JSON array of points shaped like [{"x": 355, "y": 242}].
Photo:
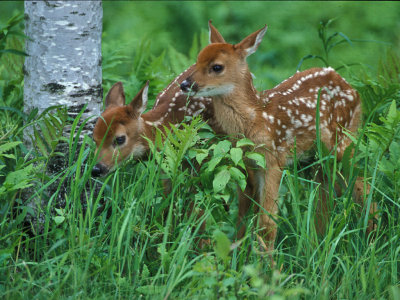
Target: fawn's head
[
  {"x": 118, "y": 132},
  {"x": 220, "y": 66}
]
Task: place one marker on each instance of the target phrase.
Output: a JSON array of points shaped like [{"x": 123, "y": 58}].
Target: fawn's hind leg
[
  {"x": 323, "y": 208},
  {"x": 269, "y": 206},
  {"x": 359, "y": 196}
]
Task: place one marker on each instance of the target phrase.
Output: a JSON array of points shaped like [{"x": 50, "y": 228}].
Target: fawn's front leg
[{"x": 245, "y": 199}]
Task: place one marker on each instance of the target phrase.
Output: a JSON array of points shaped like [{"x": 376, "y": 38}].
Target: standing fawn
[
  {"x": 278, "y": 119},
  {"x": 124, "y": 127}
]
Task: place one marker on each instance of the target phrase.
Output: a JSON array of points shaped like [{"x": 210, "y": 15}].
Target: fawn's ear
[
  {"x": 139, "y": 103},
  {"x": 116, "y": 95},
  {"x": 214, "y": 35},
  {"x": 250, "y": 44}
]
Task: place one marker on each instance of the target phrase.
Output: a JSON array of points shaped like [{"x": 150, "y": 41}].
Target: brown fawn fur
[
  {"x": 275, "y": 119},
  {"x": 124, "y": 127}
]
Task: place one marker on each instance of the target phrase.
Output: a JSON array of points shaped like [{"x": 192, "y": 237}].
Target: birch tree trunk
[
  {"x": 63, "y": 68},
  {"x": 64, "y": 62}
]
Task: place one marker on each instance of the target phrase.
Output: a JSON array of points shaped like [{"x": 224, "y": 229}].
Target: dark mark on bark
[
  {"x": 77, "y": 109},
  {"x": 54, "y": 87},
  {"x": 73, "y": 12},
  {"x": 93, "y": 91},
  {"x": 51, "y": 4}
]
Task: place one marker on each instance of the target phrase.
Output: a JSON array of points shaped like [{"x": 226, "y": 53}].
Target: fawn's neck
[{"x": 236, "y": 112}]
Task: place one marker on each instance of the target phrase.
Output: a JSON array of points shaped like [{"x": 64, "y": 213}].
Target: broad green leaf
[
  {"x": 236, "y": 155},
  {"x": 59, "y": 219},
  {"x": 192, "y": 153},
  {"x": 258, "y": 158},
  {"x": 201, "y": 155},
  {"x": 206, "y": 135},
  {"x": 213, "y": 163},
  {"x": 60, "y": 211},
  {"x": 222, "y": 147},
  {"x": 239, "y": 177},
  {"x": 222, "y": 245},
  {"x": 221, "y": 180},
  {"x": 244, "y": 142}
]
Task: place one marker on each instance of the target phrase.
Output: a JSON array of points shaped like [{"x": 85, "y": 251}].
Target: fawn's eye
[
  {"x": 217, "y": 68},
  {"x": 119, "y": 140}
]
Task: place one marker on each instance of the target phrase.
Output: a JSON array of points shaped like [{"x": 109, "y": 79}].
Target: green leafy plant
[
  {"x": 170, "y": 146},
  {"x": 382, "y": 147},
  {"x": 47, "y": 130},
  {"x": 378, "y": 92},
  {"x": 223, "y": 166}
]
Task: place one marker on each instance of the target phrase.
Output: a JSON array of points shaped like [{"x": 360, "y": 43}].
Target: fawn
[
  {"x": 121, "y": 130},
  {"x": 274, "y": 119},
  {"x": 126, "y": 125}
]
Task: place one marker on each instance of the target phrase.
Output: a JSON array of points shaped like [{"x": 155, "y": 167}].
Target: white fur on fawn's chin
[
  {"x": 190, "y": 93},
  {"x": 211, "y": 91},
  {"x": 138, "y": 151}
]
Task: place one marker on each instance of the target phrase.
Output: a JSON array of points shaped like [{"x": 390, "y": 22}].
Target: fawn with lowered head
[
  {"x": 123, "y": 127},
  {"x": 275, "y": 118}
]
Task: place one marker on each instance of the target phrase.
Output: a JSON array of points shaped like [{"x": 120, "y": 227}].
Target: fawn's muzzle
[
  {"x": 188, "y": 85},
  {"x": 185, "y": 85},
  {"x": 99, "y": 170}
]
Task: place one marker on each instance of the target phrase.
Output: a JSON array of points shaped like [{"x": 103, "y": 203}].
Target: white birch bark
[{"x": 64, "y": 63}]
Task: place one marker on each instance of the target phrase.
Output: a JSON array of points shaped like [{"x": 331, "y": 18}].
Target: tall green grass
[{"x": 130, "y": 239}]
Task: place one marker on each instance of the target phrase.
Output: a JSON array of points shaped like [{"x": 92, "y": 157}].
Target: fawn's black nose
[
  {"x": 99, "y": 170},
  {"x": 185, "y": 85}
]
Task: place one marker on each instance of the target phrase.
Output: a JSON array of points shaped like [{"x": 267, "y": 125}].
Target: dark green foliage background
[{"x": 291, "y": 31}]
